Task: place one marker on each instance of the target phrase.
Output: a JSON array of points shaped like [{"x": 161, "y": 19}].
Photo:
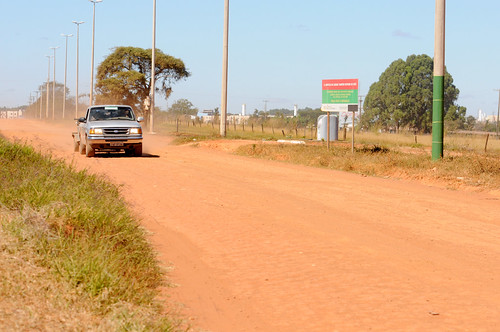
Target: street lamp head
[
  {"x": 64, "y": 35},
  {"x": 95, "y": 1},
  {"x": 54, "y": 48},
  {"x": 78, "y": 22}
]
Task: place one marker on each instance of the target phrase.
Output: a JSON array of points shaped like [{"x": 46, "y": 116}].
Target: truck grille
[{"x": 115, "y": 131}]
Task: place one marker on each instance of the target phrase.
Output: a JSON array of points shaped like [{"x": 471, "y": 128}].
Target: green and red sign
[{"x": 339, "y": 93}]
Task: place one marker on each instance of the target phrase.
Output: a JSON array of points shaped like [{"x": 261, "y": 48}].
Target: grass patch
[
  {"x": 469, "y": 168},
  {"x": 402, "y": 155},
  {"x": 81, "y": 230},
  {"x": 208, "y": 132}
]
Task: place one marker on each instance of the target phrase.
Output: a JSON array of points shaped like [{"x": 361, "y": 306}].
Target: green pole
[
  {"x": 437, "y": 118},
  {"x": 438, "y": 88}
]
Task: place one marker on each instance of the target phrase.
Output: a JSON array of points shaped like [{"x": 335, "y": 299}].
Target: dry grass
[
  {"x": 77, "y": 248},
  {"x": 465, "y": 168},
  {"x": 404, "y": 155},
  {"x": 34, "y": 300},
  {"x": 452, "y": 142},
  {"x": 458, "y": 142}
]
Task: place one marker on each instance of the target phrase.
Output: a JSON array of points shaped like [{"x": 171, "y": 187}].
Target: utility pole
[
  {"x": 360, "y": 107},
  {"x": 92, "y": 57},
  {"x": 498, "y": 110},
  {"x": 223, "y": 117},
  {"x": 438, "y": 86},
  {"x": 153, "y": 58}
]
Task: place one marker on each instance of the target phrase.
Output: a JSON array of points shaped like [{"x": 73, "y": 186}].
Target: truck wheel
[
  {"x": 138, "y": 150},
  {"x": 89, "y": 151},
  {"x": 76, "y": 146},
  {"x": 81, "y": 148}
]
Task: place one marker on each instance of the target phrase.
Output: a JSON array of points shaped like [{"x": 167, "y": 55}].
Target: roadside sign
[
  {"x": 334, "y": 107},
  {"x": 338, "y": 94}
]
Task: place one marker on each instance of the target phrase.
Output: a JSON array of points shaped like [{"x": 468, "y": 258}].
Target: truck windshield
[{"x": 115, "y": 113}]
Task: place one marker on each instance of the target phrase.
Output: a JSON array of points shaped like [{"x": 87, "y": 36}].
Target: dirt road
[{"x": 268, "y": 246}]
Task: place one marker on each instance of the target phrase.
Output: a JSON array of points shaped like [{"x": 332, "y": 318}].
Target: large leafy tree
[
  {"x": 183, "y": 107},
  {"x": 124, "y": 77},
  {"x": 402, "y": 97}
]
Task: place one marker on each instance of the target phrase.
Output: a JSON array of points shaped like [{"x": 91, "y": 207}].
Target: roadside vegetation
[
  {"x": 465, "y": 162},
  {"x": 71, "y": 254},
  {"x": 454, "y": 170}
]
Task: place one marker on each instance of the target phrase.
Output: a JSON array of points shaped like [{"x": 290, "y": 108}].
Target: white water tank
[{"x": 322, "y": 131}]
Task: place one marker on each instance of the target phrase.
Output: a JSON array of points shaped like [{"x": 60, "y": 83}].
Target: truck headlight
[
  {"x": 95, "y": 131},
  {"x": 135, "y": 131}
]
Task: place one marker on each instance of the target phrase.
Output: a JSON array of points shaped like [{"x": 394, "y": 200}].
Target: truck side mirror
[{"x": 81, "y": 119}]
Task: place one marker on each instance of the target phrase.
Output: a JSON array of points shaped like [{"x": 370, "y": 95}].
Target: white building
[
  {"x": 481, "y": 116},
  {"x": 4, "y": 114}
]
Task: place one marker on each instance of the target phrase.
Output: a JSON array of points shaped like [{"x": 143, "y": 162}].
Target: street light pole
[
  {"x": 92, "y": 61},
  {"x": 224, "y": 70},
  {"x": 37, "y": 101},
  {"x": 41, "y": 100},
  {"x": 65, "y": 73},
  {"x": 153, "y": 58},
  {"x": 77, "y": 63},
  {"x": 48, "y": 80},
  {"x": 54, "y": 84}
]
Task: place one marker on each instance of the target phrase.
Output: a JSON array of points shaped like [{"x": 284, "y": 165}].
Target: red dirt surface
[{"x": 268, "y": 246}]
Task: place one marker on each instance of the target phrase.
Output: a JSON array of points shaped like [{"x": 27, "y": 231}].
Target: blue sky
[{"x": 279, "y": 51}]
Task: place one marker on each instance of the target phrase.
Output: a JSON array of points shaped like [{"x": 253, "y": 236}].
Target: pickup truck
[{"x": 108, "y": 128}]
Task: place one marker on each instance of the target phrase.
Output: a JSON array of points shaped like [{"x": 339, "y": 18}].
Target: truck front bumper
[{"x": 113, "y": 143}]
